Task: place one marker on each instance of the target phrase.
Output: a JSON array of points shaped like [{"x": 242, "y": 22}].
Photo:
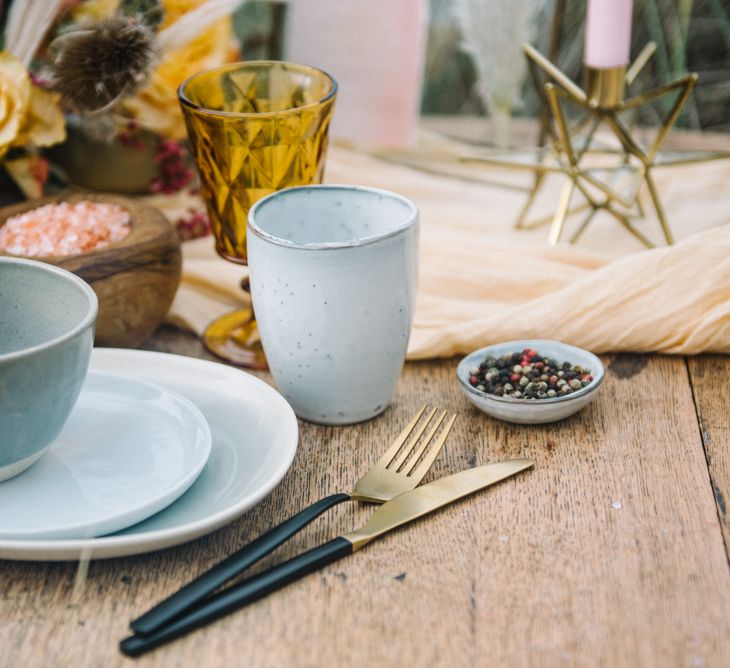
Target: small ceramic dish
[{"x": 532, "y": 411}]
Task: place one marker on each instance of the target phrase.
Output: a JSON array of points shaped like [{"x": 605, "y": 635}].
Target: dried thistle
[{"x": 96, "y": 65}]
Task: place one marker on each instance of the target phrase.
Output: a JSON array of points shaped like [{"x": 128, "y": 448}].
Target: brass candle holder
[
  {"x": 572, "y": 149},
  {"x": 605, "y": 86}
]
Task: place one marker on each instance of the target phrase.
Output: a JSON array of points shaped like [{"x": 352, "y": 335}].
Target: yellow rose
[
  {"x": 28, "y": 115},
  {"x": 44, "y": 124},
  {"x": 14, "y": 99},
  {"x": 156, "y": 106},
  {"x": 174, "y": 9},
  {"x": 95, "y": 9}
]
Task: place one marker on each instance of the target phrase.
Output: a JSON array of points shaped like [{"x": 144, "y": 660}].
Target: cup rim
[
  {"x": 87, "y": 321},
  {"x": 410, "y": 221},
  {"x": 185, "y": 100}
]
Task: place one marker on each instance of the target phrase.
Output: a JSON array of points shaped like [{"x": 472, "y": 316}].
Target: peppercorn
[{"x": 528, "y": 375}]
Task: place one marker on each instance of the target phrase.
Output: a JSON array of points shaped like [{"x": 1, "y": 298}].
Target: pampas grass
[
  {"x": 192, "y": 23},
  {"x": 492, "y": 33},
  {"x": 27, "y": 25}
]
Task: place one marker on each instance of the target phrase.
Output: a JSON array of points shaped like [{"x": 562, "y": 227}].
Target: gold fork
[
  {"x": 396, "y": 473},
  {"x": 400, "y": 469}
]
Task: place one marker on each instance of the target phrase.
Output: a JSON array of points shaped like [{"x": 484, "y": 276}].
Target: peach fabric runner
[{"x": 482, "y": 281}]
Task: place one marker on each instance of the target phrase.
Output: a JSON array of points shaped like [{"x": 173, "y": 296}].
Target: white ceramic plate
[
  {"x": 255, "y": 437},
  {"x": 532, "y": 411},
  {"x": 128, "y": 450}
]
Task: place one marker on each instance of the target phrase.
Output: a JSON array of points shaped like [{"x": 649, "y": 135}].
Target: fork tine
[
  {"x": 401, "y": 459},
  {"x": 422, "y": 469},
  {"x": 392, "y": 451},
  {"x": 417, "y": 450}
]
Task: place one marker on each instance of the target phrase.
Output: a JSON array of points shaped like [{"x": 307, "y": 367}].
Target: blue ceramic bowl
[{"x": 47, "y": 318}]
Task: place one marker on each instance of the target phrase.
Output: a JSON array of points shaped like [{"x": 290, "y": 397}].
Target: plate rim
[
  {"x": 107, "y": 547},
  {"x": 169, "y": 495}
]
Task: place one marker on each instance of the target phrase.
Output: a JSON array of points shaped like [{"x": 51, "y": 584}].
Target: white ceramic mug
[{"x": 334, "y": 271}]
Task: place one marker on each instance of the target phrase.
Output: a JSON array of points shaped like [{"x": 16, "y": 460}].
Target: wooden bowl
[{"x": 135, "y": 279}]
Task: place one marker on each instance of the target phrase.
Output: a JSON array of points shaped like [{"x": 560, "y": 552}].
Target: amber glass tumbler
[{"x": 254, "y": 128}]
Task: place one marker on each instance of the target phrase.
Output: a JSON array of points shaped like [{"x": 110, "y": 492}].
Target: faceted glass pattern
[{"x": 255, "y": 128}]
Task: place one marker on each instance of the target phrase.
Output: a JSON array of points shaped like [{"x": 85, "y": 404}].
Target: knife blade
[
  {"x": 401, "y": 510},
  {"x": 423, "y": 500}
]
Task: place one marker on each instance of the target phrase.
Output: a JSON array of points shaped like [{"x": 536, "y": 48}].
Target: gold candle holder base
[
  {"x": 572, "y": 151},
  {"x": 604, "y": 86}
]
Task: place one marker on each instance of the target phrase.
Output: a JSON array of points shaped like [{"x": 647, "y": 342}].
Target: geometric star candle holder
[{"x": 609, "y": 176}]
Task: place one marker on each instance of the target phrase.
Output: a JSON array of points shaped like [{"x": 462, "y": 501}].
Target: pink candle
[
  {"x": 376, "y": 52},
  {"x": 608, "y": 33}
]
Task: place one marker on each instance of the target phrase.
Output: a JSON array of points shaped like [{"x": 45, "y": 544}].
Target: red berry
[
  {"x": 515, "y": 377},
  {"x": 553, "y": 380},
  {"x": 473, "y": 380},
  {"x": 538, "y": 365}
]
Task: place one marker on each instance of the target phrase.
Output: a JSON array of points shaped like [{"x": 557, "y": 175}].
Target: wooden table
[{"x": 612, "y": 552}]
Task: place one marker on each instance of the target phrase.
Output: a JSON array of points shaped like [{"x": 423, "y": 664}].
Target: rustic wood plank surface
[
  {"x": 609, "y": 553},
  {"x": 708, "y": 375}
]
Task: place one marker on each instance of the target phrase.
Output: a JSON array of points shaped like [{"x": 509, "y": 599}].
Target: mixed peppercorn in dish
[{"x": 528, "y": 375}]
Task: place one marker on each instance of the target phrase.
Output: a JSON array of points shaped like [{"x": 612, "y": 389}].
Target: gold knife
[
  {"x": 425, "y": 499},
  {"x": 391, "y": 515}
]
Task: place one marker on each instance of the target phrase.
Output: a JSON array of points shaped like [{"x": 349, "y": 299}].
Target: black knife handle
[
  {"x": 239, "y": 561},
  {"x": 239, "y": 595}
]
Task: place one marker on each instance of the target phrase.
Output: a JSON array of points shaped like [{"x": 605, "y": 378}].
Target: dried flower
[
  {"x": 97, "y": 64},
  {"x": 14, "y": 99},
  {"x": 156, "y": 105},
  {"x": 492, "y": 33},
  {"x": 29, "y": 116},
  {"x": 194, "y": 225},
  {"x": 174, "y": 174}
]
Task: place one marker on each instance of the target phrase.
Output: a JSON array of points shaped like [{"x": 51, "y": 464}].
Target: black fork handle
[{"x": 205, "y": 584}]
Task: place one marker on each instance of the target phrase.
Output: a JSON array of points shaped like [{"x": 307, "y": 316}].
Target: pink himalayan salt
[{"x": 64, "y": 229}]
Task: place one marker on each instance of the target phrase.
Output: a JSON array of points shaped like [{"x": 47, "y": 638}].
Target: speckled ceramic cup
[
  {"x": 47, "y": 318},
  {"x": 333, "y": 280}
]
